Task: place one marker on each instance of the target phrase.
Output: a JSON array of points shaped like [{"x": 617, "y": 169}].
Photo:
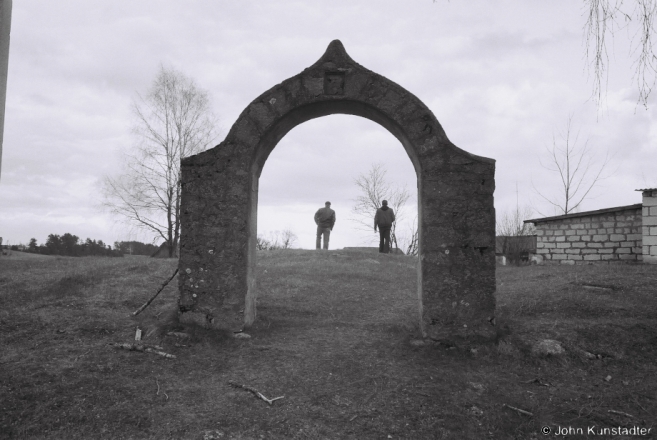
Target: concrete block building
[{"x": 620, "y": 234}]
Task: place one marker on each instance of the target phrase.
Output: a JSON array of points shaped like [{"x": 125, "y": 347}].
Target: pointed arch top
[{"x": 336, "y": 83}]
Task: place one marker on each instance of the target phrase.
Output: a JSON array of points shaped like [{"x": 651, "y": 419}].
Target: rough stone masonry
[{"x": 456, "y": 272}]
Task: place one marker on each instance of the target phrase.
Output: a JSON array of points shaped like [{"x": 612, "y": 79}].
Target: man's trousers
[{"x": 326, "y": 232}]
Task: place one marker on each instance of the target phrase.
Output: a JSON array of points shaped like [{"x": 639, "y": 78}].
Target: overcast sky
[{"x": 501, "y": 77}]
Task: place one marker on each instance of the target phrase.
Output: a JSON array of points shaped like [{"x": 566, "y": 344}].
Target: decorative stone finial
[{"x": 336, "y": 53}]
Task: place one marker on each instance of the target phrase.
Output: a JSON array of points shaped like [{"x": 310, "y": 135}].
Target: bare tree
[
  {"x": 577, "y": 169},
  {"x": 637, "y": 17},
  {"x": 288, "y": 239},
  {"x": 511, "y": 223},
  {"x": 172, "y": 121},
  {"x": 374, "y": 188},
  {"x": 516, "y": 235}
]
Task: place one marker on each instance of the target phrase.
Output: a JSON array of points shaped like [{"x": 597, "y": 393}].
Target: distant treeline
[{"x": 71, "y": 245}]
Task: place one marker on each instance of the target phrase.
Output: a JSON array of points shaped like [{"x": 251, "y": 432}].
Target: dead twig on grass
[
  {"x": 596, "y": 287},
  {"x": 538, "y": 381},
  {"x": 158, "y": 390},
  {"x": 147, "y": 303},
  {"x": 621, "y": 413},
  {"x": 521, "y": 411},
  {"x": 639, "y": 405},
  {"x": 144, "y": 348},
  {"x": 255, "y": 392}
]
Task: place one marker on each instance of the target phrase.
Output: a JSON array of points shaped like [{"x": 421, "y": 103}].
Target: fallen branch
[
  {"x": 134, "y": 347},
  {"x": 147, "y": 303},
  {"x": 144, "y": 348},
  {"x": 160, "y": 353},
  {"x": 521, "y": 411},
  {"x": 621, "y": 413},
  {"x": 538, "y": 381},
  {"x": 592, "y": 287},
  {"x": 254, "y": 391}
]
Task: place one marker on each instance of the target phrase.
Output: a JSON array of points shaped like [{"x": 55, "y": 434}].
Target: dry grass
[{"x": 333, "y": 336}]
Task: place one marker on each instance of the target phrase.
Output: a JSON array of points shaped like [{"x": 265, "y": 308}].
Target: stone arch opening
[
  {"x": 318, "y": 160},
  {"x": 319, "y": 109},
  {"x": 456, "y": 217}
]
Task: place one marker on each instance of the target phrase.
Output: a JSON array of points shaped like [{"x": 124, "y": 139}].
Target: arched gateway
[{"x": 456, "y": 270}]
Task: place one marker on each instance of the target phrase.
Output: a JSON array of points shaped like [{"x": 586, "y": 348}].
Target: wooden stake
[{"x": 147, "y": 303}]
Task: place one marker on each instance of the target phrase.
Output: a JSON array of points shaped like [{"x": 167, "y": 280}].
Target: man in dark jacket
[
  {"x": 325, "y": 219},
  {"x": 383, "y": 220}
]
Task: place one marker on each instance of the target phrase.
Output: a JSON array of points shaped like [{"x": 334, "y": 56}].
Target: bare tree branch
[{"x": 605, "y": 18}]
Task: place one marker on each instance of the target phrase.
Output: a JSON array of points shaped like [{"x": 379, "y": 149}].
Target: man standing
[
  {"x": 325, "y": 219},
  {"x": 383, "y": 220}
]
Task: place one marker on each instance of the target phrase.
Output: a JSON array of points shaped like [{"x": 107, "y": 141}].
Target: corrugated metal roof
[{"x": 585, "y": 214}]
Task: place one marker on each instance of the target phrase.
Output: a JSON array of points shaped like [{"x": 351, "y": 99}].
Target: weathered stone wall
[
  {"x": 588, "y": 237},
  {"x": 649, "y": 226},
  {"x": 456, "y": 273}
]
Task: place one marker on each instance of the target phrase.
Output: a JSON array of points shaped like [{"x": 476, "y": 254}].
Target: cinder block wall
[
  {"x": 606, "y": 237},
  {"x": 650, "y": 226}
]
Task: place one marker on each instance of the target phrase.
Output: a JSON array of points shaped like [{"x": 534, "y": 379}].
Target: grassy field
[{"x": 337, "y": 336}]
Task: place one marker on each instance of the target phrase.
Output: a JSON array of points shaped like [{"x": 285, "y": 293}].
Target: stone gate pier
[{"x": 456, "y": 218}]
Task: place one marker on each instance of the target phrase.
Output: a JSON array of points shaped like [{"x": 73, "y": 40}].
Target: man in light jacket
[
  {"x": 325, "y": 219},
  {"x": 383, "y": 219}
]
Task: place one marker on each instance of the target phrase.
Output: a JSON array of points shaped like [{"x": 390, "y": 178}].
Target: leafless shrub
[{"x": 276, "y": 240}]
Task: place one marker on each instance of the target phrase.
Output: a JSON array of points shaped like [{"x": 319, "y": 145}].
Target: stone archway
[{"x": 456, "y": 270}]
